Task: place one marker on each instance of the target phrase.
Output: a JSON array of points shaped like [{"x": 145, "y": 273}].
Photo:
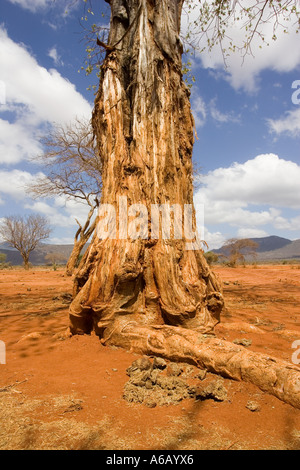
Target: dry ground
[{"x": 67, "y": 393}]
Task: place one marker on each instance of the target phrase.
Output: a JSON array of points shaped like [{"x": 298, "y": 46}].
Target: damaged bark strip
[{"x": 271, "y": 375}]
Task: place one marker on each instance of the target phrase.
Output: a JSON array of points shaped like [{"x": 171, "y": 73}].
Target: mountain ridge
[
  {"x": 270, "y": 248},
  {"x": 273, "y": 248}
]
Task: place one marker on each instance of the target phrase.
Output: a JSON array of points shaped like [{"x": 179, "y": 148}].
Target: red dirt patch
[{"x": 59, "y": 392}]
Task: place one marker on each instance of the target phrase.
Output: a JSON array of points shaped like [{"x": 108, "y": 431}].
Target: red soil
[{"x": 59, "y": 392}]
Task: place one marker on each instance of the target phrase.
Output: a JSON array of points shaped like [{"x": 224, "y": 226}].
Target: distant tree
[
  {"x": 211, "y": 257},
  {"x": 236, "y": 250},
  {"x": 55, "y": 258},
  {"x": 3, "y": 263},
  {"x": 25, "y": 233},
  {"x": 72, "y": 168}
]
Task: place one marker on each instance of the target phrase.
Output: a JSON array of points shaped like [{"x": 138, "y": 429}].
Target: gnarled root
[{"x": 269, "y": 374}]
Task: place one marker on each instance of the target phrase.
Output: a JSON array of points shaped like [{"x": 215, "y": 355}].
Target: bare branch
[{"x": 213, "y": 20}]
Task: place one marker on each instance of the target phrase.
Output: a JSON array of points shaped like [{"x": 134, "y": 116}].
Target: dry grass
[
  {"x": 50, "y": 424},
  {"x": 23, "y": 429}
]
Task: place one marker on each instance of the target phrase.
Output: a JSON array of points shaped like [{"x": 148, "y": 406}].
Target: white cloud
[
  {"x": 53, "y": 54},
  {"x": 17, "y": 142},
  {"x": 61, "y": 241},
  {"x": 213, "y": 239},
  {"x": 267, "y": 179},
  {"x": 45, "y": 93},
  {"x": 251, "y": 233},
  {"x": 60, "y": 211},
  {"x": 219, "y": 116},
  {"x": 36, "y": 97},
  {"x": 198, "y": 108},
  {"x": 201, "y": 111},
  {"x": 289, "y": 123},
  {"x": 56, "y": 218},
  {"x": 252, "y": 195},
  {"x": 37, "y": 6},
  {"x": 13, "y": 183},
  {"x": 32, "y": 5}
]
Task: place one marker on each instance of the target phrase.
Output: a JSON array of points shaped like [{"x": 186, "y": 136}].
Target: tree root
[{"x": 269, "y": 374}]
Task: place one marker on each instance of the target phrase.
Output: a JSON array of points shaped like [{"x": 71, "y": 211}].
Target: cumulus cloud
[
  {"x": 266, "y": 179},
  {"x": 46, "y": 95},
  {"x": 60, "y": 210},
  {"x": 198, "y": 109},
  {"x": 37, "y": 6},
  {"x": 13, "y": 183},
  {"x": 220, "y": 116},
  {"x": 213, "y": 239},
  {"x": 35, "y": 97},
  {"x": 252, "y": 195},
  {"x": 17, "y": 142},
  {"x": 287, "y": 124},
  {"x": 251, "y": 233},
  {"x": 56, "y": 217}
]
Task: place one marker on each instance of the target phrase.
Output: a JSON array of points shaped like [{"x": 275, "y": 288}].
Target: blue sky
[{"x": 247, "y": 125}]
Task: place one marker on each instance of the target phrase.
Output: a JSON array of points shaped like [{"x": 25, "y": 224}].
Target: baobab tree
[{"x": 151, "y": 294}]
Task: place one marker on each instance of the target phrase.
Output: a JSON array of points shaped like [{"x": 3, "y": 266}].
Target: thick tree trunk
[{"x": 144, "y": 128}]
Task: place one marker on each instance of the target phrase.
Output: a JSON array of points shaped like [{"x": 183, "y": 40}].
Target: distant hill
[
  {"x": 274, "y": 248},
  {"x": 269, "y": 248},
  {"x": 270, "y": 243},
  {"x": 289, "y": 251},
  {"x": 37, "y": 257}
]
